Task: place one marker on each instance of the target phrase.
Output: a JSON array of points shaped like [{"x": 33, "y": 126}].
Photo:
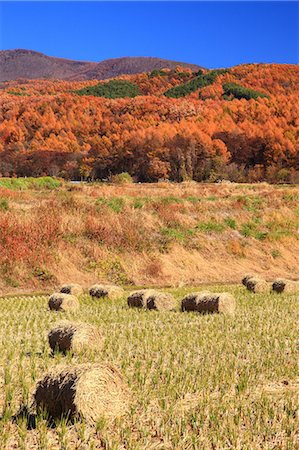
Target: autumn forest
[{"x": 238, "y": 124}]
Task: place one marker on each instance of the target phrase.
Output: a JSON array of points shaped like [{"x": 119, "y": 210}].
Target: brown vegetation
[{"x": 159, "y": 234}]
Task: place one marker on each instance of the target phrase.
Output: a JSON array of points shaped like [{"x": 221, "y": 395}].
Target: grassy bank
[{"x": 145, "y": 234}]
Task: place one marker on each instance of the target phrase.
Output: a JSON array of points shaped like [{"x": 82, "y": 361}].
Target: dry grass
[
  {"x": 156, "y": 234},
  {"x": 198, "y": 381}
]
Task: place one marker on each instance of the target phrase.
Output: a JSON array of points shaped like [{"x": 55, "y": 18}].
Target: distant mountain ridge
[{"x": 29, "y": 64}]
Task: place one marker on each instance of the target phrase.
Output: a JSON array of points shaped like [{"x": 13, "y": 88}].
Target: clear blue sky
[{"x": 211, "y": 34}]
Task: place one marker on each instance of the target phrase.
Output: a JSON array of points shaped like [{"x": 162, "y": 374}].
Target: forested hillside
[{"x": 240, "y": 124}]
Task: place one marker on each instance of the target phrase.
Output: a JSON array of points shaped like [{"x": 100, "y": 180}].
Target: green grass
[
  {"x": 291, "y": 197},
  {"x": 193, "y": 199},
  {"x": 4, "y": 205},
  {"x": 116, "y": 204},
  {"x": 209, "y": 227},
  {"x": 176, "y": 234},
  {"x": 231, "y": 223},
  {"x": 30, "y": 183},
  {"x": 253, "y": 203},
  {"x": 139, "y": 203},
  {"x": 197, "y": 382},
  {"x": 170, "y": 200},
  {"x": 251, "y": 229}
]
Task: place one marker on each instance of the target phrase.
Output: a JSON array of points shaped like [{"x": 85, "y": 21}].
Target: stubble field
[{"x": 197, "y": 381}]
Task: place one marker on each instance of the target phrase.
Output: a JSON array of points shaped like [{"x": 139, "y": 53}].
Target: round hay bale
[
  {"x": 138, "y": 299},
  {"x": 257, "y": 285},
  {"x": 161, "y": 301},
  {"x": 72, "y": 289},
  {"x": 106, "y": 291},
  {"x": 83, "y": 391},
  {"x": 75, "y": 337},
  {"x": 63, "y": 302},
  {"x": 206, "y": 302},
  {"x": 282, "y": 285},
  {"x": 189, "y": 302},
  {"x": 246, "y": 278}
]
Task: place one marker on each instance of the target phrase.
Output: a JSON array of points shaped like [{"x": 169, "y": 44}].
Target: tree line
[{"x": 46, "y": 128}]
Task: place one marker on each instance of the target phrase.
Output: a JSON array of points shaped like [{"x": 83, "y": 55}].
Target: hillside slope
[
  {"x": 127, "y": 66},
  {"x": 29, "y": 64},
  {"x": 146, "y": 234}
]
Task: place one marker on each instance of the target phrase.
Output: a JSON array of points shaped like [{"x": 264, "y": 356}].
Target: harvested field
[{"x": 197, "y": 381}]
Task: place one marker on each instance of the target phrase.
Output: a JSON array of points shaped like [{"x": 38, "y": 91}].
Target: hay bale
[
  {"x": 72, "y": 289},
  {"x": 63, "y": 302},
  {"x": 161, "y": 301},
  {"x": 247, "y": 278},
  {"x": 138, "y": 299},
  {"x": 282, "y": 285},
  {"x": 189, "y": 302},
  {"x": 207, "y": 302},
  {"x": 106, "y": 291},
  {"x": 257, "y": 285},
  {"x": 84, "y": 391},
  {"x": 75, "y": 337}
]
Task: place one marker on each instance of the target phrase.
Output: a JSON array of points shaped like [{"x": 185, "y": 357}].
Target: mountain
[
  {"x": 19, "y": 63},
  {"x": 28, "y": 64},
  {"x": 110, "y": 68}
]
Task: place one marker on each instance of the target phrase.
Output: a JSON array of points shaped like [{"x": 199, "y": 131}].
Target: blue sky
[{"x": 211, "y": 34}]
